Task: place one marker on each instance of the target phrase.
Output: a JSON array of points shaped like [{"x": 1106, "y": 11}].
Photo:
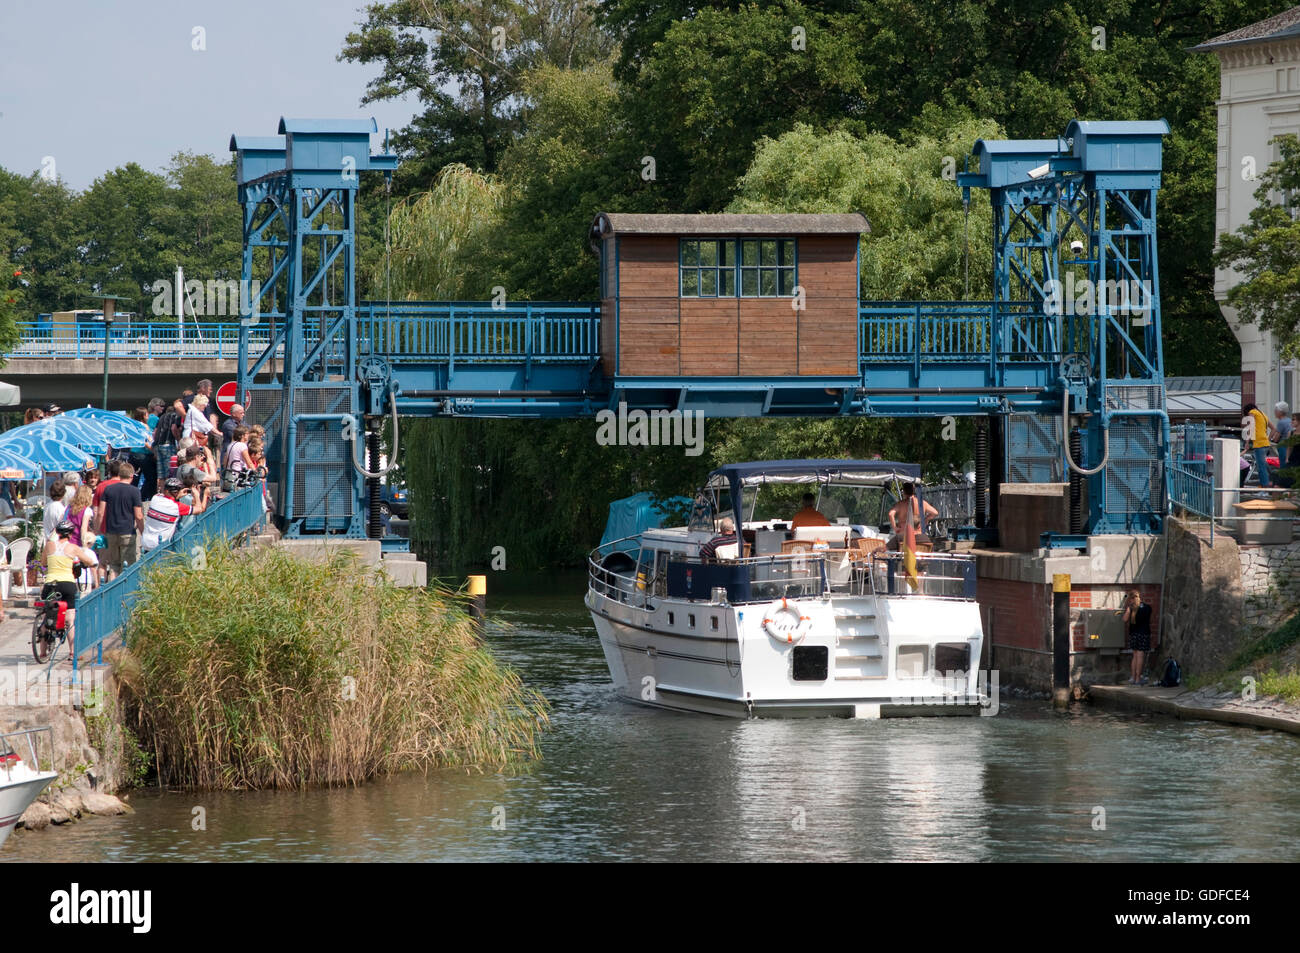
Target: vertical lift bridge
[{"x": 1063, "y": 367}]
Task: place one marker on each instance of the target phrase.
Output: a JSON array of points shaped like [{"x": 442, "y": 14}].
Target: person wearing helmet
[
  {"x": 164, "y": 513},
  {"x": 61, "y": 554}
]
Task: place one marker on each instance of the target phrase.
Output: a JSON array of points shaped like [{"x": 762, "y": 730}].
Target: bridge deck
[{"x": 543, "y": 359}]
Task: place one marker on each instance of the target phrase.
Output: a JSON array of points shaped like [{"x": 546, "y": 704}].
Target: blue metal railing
[
  {"x": 1193, "y": 491},
  {"x": 103, "y": 611},
  {"x": 540, "y": 331},
  {"x": 901, "y": 331},
  {"x": 142, "y": 340},
  {"x": 562, "y": 332}
]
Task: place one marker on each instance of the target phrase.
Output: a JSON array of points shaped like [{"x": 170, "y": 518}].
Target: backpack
[
  {"x": 165, "y": 432},
  {"x": 1172, "y": 676}
]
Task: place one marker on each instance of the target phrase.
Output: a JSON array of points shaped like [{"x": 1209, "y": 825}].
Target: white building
[{"x": 1259, "y": 98}]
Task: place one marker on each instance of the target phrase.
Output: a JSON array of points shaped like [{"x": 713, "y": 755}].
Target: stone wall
[{"x": 1270, "y": 584}]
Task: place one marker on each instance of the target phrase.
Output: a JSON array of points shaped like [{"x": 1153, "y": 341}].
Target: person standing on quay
[
  {"x": 1258, "y": 435},
  {"x": 1137, "y": 616},
  {"x": 120, "y": 517}
]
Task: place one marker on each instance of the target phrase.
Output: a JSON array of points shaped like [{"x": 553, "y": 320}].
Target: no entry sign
[{"x": 226, "y": 395}]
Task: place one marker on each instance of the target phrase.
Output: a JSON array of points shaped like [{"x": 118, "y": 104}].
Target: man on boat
[
  {"x": 910, "y": 506},
  {"x": 726, "y": 537},
  {"x": 809, "y": 515}
]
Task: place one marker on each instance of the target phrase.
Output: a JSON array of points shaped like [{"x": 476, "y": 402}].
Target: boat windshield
[{"x": 853, "y": 504}]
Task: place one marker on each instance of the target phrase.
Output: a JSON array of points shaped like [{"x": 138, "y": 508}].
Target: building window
[{"x": 748, "y": 267}]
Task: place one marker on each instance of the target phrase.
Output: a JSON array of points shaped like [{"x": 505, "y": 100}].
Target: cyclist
[{"x": 60, "y": 556}]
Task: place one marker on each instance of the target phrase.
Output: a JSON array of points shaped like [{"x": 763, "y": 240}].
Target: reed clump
[{"x": 264, "y": 670}]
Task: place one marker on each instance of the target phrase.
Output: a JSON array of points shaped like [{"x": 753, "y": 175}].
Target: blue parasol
[
  {"x": 14, "y": 466},
  {"x": 128, "y": 432},
  {"x": 87, "y": 434},
  {"x": 45, "y": 451}
]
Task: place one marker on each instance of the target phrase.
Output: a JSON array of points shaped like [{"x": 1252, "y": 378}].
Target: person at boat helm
[
  {"x": 726, "y": 537},
  {"x": 809, "y": 515}
]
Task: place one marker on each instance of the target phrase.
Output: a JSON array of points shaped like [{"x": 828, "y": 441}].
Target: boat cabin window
[
  {"x": 703, "y": 512},
  {"x": 912, "y": 661},
  {"x": 839, "y": 503}
]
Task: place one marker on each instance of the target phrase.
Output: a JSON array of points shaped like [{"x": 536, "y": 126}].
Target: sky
[{"x": 94, "y": 84}]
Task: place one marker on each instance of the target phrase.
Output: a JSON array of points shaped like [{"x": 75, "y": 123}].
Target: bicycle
[{"x": 49, "y": 630}]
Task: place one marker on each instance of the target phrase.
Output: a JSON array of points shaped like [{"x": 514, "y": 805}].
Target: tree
[
  {"x": 567, "y": 167},
  {"x": 40, "y": 232},
  {"x": 1265, "y": 251},
  {"x": 123, "y": 244},
  {"x": 438, "y": 240},
  {"x": 465, "y": 61},
  {"x": 200, "y": 219},
  {"x": 919, "y": 237},
  {"x": 12, "y": 292}
]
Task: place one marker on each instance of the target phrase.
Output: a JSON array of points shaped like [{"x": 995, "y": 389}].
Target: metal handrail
[
  {"x": 28, "y": 734},
  {"x": 605, "y": 580},
  {"x": 104, "y": 610}
]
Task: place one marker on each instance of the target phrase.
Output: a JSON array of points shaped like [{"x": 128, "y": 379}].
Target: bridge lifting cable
[
  {"x": 392, "y": 463},
  {"x": 1065, "y": 431}
]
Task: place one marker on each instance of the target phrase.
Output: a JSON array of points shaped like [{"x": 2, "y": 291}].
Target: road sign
[{"x": 226, "y": 395}]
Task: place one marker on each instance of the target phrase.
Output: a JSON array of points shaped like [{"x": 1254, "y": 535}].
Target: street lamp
[{"x": 108, "y": 301}]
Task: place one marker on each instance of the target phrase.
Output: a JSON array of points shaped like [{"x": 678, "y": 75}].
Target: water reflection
[{"x": 620, "y": 782}]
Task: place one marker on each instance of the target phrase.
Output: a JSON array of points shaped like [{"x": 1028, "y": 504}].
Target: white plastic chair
[
  {"x": 5, "y": 576},
  {"x": 19, "y": 550}
]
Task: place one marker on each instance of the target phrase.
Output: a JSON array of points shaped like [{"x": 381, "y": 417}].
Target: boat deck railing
[
  {"x": 28, "y": 740},
  {"x": 784, "y": 576}
]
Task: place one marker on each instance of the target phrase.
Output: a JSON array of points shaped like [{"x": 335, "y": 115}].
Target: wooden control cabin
[{"x": 719, "y": 295}]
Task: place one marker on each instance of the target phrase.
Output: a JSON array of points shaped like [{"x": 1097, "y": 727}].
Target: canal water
[{"x": 621, "y": 782}]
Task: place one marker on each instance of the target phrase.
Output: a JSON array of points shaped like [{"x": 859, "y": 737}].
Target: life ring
[{"x": 785, "y": 623}]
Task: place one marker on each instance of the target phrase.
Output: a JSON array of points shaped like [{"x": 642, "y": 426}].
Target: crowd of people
[
  {"x": 1260, "y": 435},
  {"x": 101, "y": 520}
]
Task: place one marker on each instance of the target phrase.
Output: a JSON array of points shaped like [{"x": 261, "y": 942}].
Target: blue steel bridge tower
[
  {"x": 301, "y": 364},
  {"x": 1074, "y": 223}
]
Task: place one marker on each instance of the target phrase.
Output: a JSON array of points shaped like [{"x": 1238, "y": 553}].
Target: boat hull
[
  {"x": 721, "y": 660},
  {"x": 16, "y": 796}
]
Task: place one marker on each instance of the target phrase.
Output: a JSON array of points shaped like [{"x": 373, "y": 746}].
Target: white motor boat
[
  {"x": 790, "y": 619},
  {"x": 21, "y": 780}
]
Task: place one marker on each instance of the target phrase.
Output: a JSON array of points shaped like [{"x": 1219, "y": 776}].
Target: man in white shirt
[{"x": 163, "y": 515}]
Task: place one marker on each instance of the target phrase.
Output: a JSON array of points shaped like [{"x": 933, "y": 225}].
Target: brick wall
[{"x": 1019, "y": 614}]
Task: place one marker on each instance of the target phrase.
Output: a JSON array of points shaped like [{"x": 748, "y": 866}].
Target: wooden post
[
  {"x": 478, "y": 603},
  {"x": 1060, "y": 638}
]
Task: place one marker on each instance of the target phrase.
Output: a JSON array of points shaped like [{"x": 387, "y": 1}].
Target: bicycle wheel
[{"x": 42, "y": 644}]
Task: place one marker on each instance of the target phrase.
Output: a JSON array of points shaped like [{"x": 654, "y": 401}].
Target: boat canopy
[{"x": 851, "y": 472}]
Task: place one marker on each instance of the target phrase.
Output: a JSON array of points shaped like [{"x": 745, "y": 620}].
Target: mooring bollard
[
  {"x": 478, "y": 603},
  {"x": 1061, "y": 639}
]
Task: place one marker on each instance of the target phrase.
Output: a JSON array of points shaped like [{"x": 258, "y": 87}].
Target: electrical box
[{"x": 1104, "y": 629}]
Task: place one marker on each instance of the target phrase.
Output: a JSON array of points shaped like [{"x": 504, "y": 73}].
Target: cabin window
[
  {"x": 671, "y": 620},
  {"x": 727, "y": 267},
  {"x": 912, "y": 661},
  {"x": 713, "y": 623},
  {"x": 690, "y": 620}
]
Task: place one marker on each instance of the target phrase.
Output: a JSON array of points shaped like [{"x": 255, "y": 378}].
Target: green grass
[
  {"x": 1275, "y": 641},
  {"x": 1274, "y": 675},
  {"x": 268, "y": 671}
]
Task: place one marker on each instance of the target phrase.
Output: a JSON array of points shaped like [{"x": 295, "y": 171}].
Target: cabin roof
[
  {"x": 866, "y": 472},
  {"x": 628, "y": 223},
  {"x": 1281, "y": 26}
]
